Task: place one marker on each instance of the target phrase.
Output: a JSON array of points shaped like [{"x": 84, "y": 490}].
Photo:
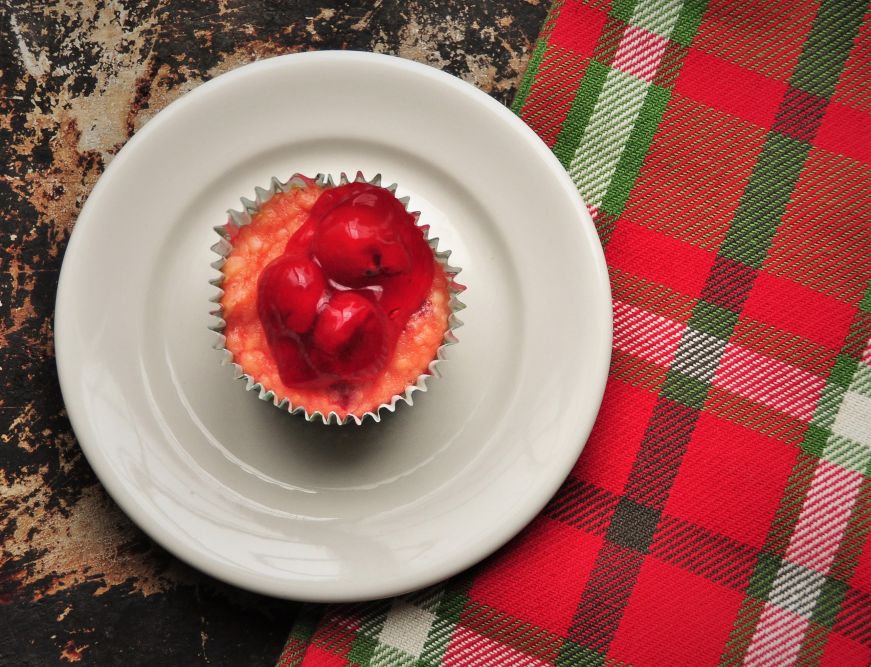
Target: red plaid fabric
[{"x": 720, "y": 512}]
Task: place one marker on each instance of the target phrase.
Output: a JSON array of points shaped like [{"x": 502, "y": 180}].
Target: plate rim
[{"x": 265, "y": 584}]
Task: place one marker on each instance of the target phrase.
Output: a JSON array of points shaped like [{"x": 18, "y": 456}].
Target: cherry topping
[
  {"x": 350, "y": 339},
  {"x": 403, "y": 292},
  {"x": 334, "y": 304},
  {"x": 356, "y": 243},
  {"x": 293, "y": 367},
  {"x": 288, "y": 293}
]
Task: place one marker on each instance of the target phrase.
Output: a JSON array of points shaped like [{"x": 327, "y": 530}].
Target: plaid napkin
[{"x": 720, "y": 512}]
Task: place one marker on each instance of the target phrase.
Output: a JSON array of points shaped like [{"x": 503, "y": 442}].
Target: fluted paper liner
[{"x": 223, "y": 248}]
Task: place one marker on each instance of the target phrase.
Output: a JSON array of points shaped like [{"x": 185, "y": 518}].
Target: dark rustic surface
[{"x": 79, "y": 582}]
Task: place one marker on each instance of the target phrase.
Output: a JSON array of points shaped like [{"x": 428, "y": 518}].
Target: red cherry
[
  {"x": 293, "y": 368},
  {"x": 349, "y": 339},
  {"x": 404, "y": 292},
  {"x": 355, "y": 244},
  {"x": 288, "y": 293}
]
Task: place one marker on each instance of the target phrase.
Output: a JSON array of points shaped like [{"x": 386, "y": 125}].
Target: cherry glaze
[{"x": 334, "y": 304}]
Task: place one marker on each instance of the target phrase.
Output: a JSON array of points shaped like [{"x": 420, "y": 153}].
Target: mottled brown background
[{"x": 79, "y": 582}]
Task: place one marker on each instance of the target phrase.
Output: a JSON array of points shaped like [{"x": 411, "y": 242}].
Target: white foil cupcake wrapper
[{"x": 223, "y": 248}]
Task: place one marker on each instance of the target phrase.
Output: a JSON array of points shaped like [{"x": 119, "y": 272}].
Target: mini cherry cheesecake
[{"x": 335, "y": 304}]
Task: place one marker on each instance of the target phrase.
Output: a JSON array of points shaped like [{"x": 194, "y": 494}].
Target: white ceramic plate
[{"x": 260, "y": 498}]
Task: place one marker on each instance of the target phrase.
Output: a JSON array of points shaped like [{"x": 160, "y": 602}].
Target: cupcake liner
[{"x": 223, "y": 248}]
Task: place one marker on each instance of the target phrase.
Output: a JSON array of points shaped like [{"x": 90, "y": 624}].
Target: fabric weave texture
[{"x": 720, "y": 512}]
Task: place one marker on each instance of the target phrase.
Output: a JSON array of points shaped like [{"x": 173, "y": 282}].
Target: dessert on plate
[{"x": 334, "y": 302}]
